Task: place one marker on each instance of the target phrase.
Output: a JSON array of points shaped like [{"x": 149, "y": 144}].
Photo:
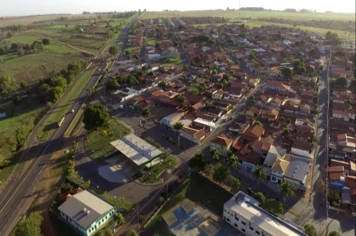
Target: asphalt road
[{"x": 19, "y": 193}]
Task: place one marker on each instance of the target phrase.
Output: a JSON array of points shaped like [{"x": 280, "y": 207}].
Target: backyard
[{"x": 97, "y": 145}]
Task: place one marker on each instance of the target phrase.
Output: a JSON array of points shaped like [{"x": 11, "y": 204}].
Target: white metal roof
[
  {"x": 257, "y": 216},
  {"x": 135, "y": 148}
]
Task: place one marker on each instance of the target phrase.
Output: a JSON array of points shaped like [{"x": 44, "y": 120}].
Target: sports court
[
  {"x": 189, "y": 219},
  {"x": 118, "y": 170}
]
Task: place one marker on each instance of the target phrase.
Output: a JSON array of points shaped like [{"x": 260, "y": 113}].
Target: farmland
[{"x": 252, "y": 15}]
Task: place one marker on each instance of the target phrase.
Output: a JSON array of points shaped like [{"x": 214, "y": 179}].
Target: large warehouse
[{"x": 137, "y": 150}]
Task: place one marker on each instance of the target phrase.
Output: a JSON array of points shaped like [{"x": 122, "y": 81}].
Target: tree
[
  {"x": 209, "y": 170},
  {"x": 287, "y": 121},
  {"x": 259, "y": 123},
  {"x": 30, "y": 226},
  {"x": 214, "y": 153},
  {"x": 113, "y": 50},
  {"x": 310, "y": 230},
  {"x": 95, "y": 116},
  {"x": 287, "y": 132},
  {"x": 260, "y": 197},
  {"x": 146, "y": 113},
  {"x": 120, "y": 220},
  {"x": 298, "y": 66},
  {"x": 282, "y": 119},
  {"x": 113, "y": 84},
  {"x": 162, "y": 85},
  {"x": 342, "y": 81},
  {"x": 133, "y": 233},
  {"x": 220, "y": 173},
  {"x": 180, "y": 99},
  {"x": 232, "y": 182},
  {"x": 286, "y": 190},
  {"x": 287, "y": 72},
  {"x": 274, "y": 206},
  {"x": 23, "y": 84},
  {"x": 334, "y": 233},
  {"x": 46, "y": 41},
  {"x": 198, "y": 161},
  {"x": 194, "y": 90},
  {"x": 214, "y": 72},
  {"x": 259, "y": 174},
  {"x": 233, "y": 162},
  {"x": 160, "y": 200},
  {"x": 178, "y": 126},
  {"x": 66, "y": 25},
  {"x": 3, "y": 161}
]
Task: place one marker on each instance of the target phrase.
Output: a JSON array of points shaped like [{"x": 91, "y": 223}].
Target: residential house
[
  {"x": 253, "y": 81},
  {"x": 253, "y": 133},
  {"x": 272, "y": 155},
  {"x": 260, "y": 147},
  {"x": 243, "y": 213},
  {"x": 236, "y": 90},
  {"x": 253, "y": 111},
  {"x": 192, "y": 134},
  {"x": 271, "y": 115},
  {"x": 337, "y": 154},
  {"x": 86, "y": 212},
  {"x": 297, "y": 173},
  {"x": 346, "y": 141},
  {"x": 274, "y": 102},
  {"x": 169, "y": 52},
  {"x": 219, "y": 94},
  {"x": 222, "y": 144},
  {"x": 277, "y": 86},
  {"x": 302, "y": 149},
  {"x": 290, "y": 105},
  {"x": 280, "y": 168},
  {"x": 250, "y": 160},
  {"x": 171, "y": 119},
  {"x": 339, "y": 114},
  {"x": 304, "y": 108}
]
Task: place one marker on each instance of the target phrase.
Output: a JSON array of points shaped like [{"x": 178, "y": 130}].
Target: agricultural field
[
  {"x": 26, "y": 20},
  {"x": 252, "y": 15}
]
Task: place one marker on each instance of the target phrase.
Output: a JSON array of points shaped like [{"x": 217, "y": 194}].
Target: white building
[
  {"x": 154, "y": 56},
  {"x": 243, "y": 213},
  {"x": 297, "y": 173}
]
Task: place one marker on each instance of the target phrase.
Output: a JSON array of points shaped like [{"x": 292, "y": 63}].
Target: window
[
  {"x": 243, "y": 230},
  {"x": 258, "y": 233},
  {"x": 236, "y": 218},
  {"x": 243, "y": 223},
  {"x": 228, "y": 220},
  {"x": 235, "y": 225},
  {"x": 251, "y": 228}
]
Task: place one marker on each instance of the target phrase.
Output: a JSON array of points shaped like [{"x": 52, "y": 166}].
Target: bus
[{"x": 61, "y": 121}]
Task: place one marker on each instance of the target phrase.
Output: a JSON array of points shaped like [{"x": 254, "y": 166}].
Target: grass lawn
[
  {"x": 151, "y": 41},
  {"x": 33, "y": 67},
  {"x": 152, "y": 176},
  {"x": 252, "y": 14},
  {"x": 97, "y": 146},
  {"x": 65, "y": 104},
  {"x": 198, "y": 189},
  {"x": 132, "y": 48}
]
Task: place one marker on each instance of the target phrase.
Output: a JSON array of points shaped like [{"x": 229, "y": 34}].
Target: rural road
[{"x": 18, "y": 193}]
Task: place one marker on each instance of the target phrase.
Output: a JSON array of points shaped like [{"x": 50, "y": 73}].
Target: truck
[{"x": 61, "y": 121}]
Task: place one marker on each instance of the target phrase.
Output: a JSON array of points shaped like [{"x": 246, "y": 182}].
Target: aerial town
[{"x": 179, "y": 125}]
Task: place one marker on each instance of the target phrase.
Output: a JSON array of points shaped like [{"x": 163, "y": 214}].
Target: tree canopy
[
  {"x": 298, "y": 66},
  {"x": 274, "y": 206},
  {"x": 95, "y": 116},
  {"x": 287, "y": 72},
  {"x": 334, "y": 233},
  {"x": 30, "y": 226},
  {"x": 113, "y": 84},
  {"x": 113, "y": 50},
  {"x": 310, "y": 230},
  {"x": 220, "y": 173},
  {"x": 198, "y": 161},
  {"x": 260, "y": 197}
]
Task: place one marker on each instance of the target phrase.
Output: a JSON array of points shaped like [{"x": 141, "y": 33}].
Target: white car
[{"x": 73, "y": 111}]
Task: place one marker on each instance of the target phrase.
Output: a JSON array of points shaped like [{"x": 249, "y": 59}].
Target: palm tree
[
  {"x": 146, "y": 113},
  {"x": 286, "y": 131},
  {"x": 214, "y": 153},
  {"x": 178, "y": 126},
  {"x": 282, "y": 119},
  {"x": 233, "y": 162},
  {"x": 287, "y": 121},
  {"x": 259, "y": 174},
  {"x": 287, "y": 190}
]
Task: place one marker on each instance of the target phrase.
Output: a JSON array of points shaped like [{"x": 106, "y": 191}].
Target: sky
[{"x": 34, "y": 7}]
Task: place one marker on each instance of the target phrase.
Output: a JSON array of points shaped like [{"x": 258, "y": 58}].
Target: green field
[
  {"x": 64, "y": 105},
  {"x": 33, "y": 67},
  {"x": 97, "y": 145},
  {"x": 252, "y": 15}
]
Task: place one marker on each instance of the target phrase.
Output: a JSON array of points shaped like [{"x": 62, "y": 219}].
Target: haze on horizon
[{"x": 40, "y": 7}]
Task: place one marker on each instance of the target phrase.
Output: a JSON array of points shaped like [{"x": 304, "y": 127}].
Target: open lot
[{"x": 96, "y": 145}]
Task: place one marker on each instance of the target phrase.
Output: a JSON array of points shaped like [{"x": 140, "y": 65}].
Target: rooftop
[
  {"x": 136, "y": 149},
  {"x": 298, "y": 169},
  {"x": 85, "y": 208},
  {"x": 247, "y": 207}
]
